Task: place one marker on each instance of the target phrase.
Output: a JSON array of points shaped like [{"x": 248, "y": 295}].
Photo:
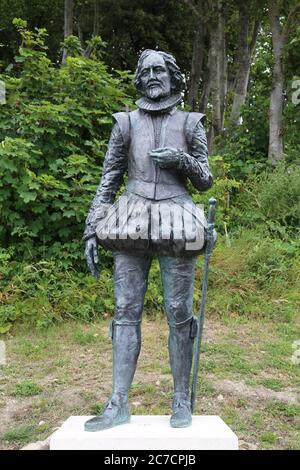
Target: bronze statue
[{"x": 161, "y": 147}]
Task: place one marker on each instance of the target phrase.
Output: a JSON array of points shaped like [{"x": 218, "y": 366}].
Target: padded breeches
[{"x": 131, "y": 280}]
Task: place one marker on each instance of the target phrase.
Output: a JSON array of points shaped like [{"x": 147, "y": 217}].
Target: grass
[
  {"x": 272, "y": 383},
  {"x": 26, "y": 389},
  {"x": 295, "y": 442},
  {"x": 277, "y": 408},
  {"x": 84, "y": 338},
  {"x": 268, "y": 439},
  {"x": 19, "y": 435},
  {"x": 247, "y": 375},
  {"x": 66, "y": 370},
  {"x": 96, "y": 408}
]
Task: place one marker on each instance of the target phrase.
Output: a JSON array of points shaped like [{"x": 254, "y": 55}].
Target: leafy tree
[
  {"x": 53, "y": 132},
  {"x": 281, "y": 33},
  {"x": 38, "y": 14}
]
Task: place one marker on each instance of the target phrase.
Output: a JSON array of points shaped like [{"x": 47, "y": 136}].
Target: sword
[{"x": 208, "y": 251}]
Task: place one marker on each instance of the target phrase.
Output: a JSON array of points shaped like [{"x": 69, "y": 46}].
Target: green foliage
[
  {"x": 271, "y": 199},
  {"x": 223, "y": 189},
  {"x": 41, "y": 293},
  {"x": 254, "y": 276},
  {"x": 96, "y": 408},
  {"x": 53, "y": 133},
  {"x": 38, "y": 13},
  {"x": 72, "y": 46},
  {"x": 19, "y": 435},
  {"x": 256, "y": 264},
  {"x": 268, "y": 438},
  {"x": 84, "y": 338},
  {"x": 26, "y": 389},
  {"x": 245, "y": 146},
  {"x": 273, "y": 260},
  {"x": 277, "y": 408},
  {"x": 154, "y": 294},
  {"x": 127, "y": 26}
]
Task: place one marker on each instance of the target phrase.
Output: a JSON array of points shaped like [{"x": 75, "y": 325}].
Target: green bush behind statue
[{"x": 53, "y": 134}]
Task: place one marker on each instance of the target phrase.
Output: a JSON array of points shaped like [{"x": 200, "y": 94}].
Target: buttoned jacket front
[{"x": 132, "y": 138}]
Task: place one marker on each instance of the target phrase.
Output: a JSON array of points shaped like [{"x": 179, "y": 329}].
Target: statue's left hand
[{"x": 166, "y": 157}]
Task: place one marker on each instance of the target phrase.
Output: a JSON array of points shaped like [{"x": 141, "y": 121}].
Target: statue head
[{"x": 157, "y": 75}]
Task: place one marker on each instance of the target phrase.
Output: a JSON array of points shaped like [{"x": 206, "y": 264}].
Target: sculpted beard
[{"x": 156, "y": 91}]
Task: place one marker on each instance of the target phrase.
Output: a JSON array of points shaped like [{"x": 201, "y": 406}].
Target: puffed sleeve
[{"x": 195, "y": 165}]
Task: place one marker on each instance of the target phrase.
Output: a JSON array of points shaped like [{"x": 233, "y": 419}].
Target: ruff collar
[{"x": 162, "y": 106}]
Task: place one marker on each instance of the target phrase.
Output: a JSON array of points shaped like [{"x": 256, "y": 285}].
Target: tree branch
[
  {"x": 290, "y": 23},
  {"x": 256, "y": 29},
  {"x": 193, "y": 7}
]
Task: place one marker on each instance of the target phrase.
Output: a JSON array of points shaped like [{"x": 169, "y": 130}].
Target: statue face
[{"x": 155, "y": 77}]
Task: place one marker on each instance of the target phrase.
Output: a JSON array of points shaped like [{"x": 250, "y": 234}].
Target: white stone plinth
[{"x": 146, "y": 433}]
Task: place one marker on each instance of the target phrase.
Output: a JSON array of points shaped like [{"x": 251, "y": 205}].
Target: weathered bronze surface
[{"x": 161, "y": 147}]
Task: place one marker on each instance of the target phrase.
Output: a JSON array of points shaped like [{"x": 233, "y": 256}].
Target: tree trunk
[
  {"x": 276, "y": 101},
  {"x": 79, "y": 32},
  {"x": 196, "y": 68},
  {"x": 223, "y": 67},
  {"x": 215, "y": 87},
  {"x": 206, "y": 89},
  {"x": 244, "y": 54},
  {"x": 87, "y": 52},
  {"x": 240, "y": 93},
  {"x": 280, "y": 37},
  {"x": 68, "y": 23},
  {"x": 96, "y": 18},
  {"x": 218, "y": 72},
  {"x": 243, "y": 66}
]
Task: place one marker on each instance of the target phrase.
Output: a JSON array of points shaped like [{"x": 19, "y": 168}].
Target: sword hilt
[
  {"x": 210, "y": 232},
  {"x": 212, "y": 210}
]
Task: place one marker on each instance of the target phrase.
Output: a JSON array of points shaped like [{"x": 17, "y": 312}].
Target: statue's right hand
[{"x": 91, "y": 254}]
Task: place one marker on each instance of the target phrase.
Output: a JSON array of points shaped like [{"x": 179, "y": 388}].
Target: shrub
[
  {"x": 53, "y": 132},
  {"x": 223, "y": 189},
  {"x": 271, "y": 200},
  {"x": 41, "y": 293}
]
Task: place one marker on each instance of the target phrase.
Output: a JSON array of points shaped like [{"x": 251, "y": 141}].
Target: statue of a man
[{"x": 160, "y": 147}]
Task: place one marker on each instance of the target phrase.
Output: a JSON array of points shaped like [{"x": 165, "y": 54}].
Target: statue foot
[
  {"x": 115, "y": 413},
  {"x": 181, "y": 411}
]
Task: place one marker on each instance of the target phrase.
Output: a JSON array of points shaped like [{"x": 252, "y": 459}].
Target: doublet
[
  {"x": 138, "y": 131},
  {"x": 133, "y": 136}
]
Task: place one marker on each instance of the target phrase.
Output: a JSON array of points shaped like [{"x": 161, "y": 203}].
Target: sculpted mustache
[{"x": 153, "y": 83}]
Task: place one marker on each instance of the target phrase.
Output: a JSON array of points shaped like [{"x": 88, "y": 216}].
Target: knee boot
[
  {"x": 126, "y": 338},
  {"x": 181, "y": 340}
]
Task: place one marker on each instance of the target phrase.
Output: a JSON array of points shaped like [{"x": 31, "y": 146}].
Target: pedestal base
[{"x": 146, "y": 433}]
